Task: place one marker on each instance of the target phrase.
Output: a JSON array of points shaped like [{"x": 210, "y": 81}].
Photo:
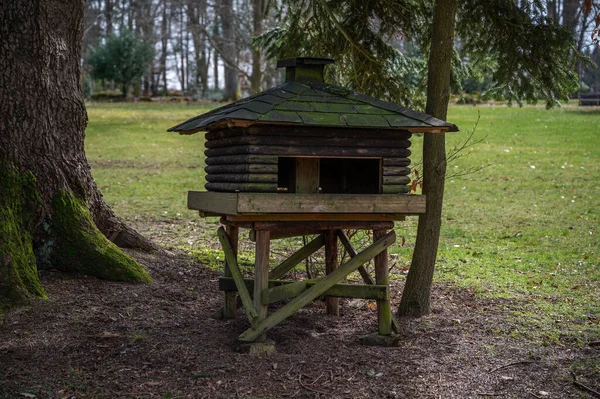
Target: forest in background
[{"x": 208, "y": 49}]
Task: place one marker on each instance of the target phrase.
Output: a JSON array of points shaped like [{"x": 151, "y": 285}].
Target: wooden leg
[
  {"x": 261, "y": 276},
  {"x": 365, "y": 275},
  {"x": 230, "y": 305},
  {"x": 384, "y": 310},
  {"x": 331, "y": 263}
]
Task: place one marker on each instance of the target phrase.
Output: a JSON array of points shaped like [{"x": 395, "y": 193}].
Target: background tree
[
  {"x": 123, "y": 59},
  {"x": 229, "y": 52},
  {"x": 51, "y": 211}
]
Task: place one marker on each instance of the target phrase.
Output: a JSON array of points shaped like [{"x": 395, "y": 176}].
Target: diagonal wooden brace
[
  {"x": 237, "y": 275},
  {"x": 363, "y": 272},
  {"x": 297, "y": 257},
  {"x": 352, "y": 252},
  {"x": 318, "y": 289}
]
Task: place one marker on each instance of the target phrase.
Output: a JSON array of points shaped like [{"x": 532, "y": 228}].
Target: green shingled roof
[{"x": 315, "y": 104}]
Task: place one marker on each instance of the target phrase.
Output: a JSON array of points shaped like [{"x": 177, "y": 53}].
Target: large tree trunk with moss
[
  {"x": 417, "y": 290},
  {"x": 50, "y": 205}
]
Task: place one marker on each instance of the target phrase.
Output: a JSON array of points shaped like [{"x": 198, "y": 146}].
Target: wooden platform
[{"x": 307, "y": 206}]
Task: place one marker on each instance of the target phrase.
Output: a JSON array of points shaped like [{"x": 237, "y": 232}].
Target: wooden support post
[
  {"x": 261, "y": 276},
  {"x": 237, "y": 275},
  {"x": 331, "y": 263},
  {"x": 319, "y": 288},
  {"x": 307, "y": 175},
  {"x": 363, "y": 272},
  {"x": 230, "y": 305},
  {"x": 384, "y": 310}
]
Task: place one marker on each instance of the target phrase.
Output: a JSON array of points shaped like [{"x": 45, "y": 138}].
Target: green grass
[
  {"x": 524, "y": 229},
  {"x": 143, "y": 171}
]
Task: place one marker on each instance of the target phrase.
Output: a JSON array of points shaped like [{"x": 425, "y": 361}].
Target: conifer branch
[{"x": 345, "y": 33}]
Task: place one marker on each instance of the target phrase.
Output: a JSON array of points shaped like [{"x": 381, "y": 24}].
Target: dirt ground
[{"x": 98, "y": 339}]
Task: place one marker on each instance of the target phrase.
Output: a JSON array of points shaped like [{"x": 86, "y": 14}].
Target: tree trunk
[
  {"x": 551, "y": 8},
  {"x": 108, "y": 15},
  {"x": 417, "y": 290},
  {"x": 232, "y": 92},
  {"x": 165, "y": 32},
  {"x": 570, "y": 15},
  {"x": 258, "y": 16},
  {"x": 50, "y": 204}
]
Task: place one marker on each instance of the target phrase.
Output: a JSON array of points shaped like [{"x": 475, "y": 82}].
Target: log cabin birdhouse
[{"x": 307, "y": 157}]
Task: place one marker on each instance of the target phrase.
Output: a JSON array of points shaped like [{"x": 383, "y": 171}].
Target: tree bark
[
  {"x": 165, "y": 32},
  {"x": 417, "y": 290},
  {"x": 570, "y": 19},
  {"x": 258, "y": 16},
  {"x": 196, "y": 20},
  {"x": 108, "y": 15},
  {"x": 43, "y": 167},
  {"x": 232, "y": 91}
]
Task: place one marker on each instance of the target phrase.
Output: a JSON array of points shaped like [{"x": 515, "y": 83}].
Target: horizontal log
[
  {"x": 241, "y": 178},
  {"x": 396, "y": 171},
  {"x": 396, "y": 161},
  {"x": 242, "y": 168},
  {"x": 388, "y": 180},
  {"x": 242, "y": 187},
  {"x": 366, "y": 207},
  {"x": 338, "y": 290},
  {"x": 307, "y": 141},
  {"x": 367, "y": 152},
  {"x": 286, "y": 227},
  {"x": 241, "y": 159},
  {"x": 329, "y": 203},
  {"x": 395, "y": 189},
  {"x": 307, "y": 131}
]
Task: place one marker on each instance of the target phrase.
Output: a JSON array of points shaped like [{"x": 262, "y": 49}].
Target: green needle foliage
[{"x": 527, "y": 56}]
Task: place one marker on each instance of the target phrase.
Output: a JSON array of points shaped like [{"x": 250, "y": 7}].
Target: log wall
[{"x": 245, "y": 159}]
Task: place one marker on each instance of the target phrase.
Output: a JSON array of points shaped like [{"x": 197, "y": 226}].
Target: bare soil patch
[{"x": 98, "y": 339}]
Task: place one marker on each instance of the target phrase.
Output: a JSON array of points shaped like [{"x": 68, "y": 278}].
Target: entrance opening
[{"x": 335, "y": 175}]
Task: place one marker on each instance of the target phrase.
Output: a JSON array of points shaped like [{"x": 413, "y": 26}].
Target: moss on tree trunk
[
  {"x": 18, "y": 271},
  {"x": 52, "y": 214},
  {"x": 80, "y": 247}
]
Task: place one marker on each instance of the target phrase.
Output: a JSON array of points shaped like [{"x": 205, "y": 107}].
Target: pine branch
[{"x": 345, "y": 33}]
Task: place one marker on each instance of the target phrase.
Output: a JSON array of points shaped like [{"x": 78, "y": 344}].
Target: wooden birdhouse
[{"x": 306, "y": 157}]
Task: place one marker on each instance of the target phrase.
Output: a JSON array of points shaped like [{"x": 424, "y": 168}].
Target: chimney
[{"x": 304, "y": 69}]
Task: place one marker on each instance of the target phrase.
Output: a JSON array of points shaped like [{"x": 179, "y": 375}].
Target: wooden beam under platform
[{"x": 315, "y": 205}]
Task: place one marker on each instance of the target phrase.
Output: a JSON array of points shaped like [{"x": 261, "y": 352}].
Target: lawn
[{"x": 522, "y": 230}]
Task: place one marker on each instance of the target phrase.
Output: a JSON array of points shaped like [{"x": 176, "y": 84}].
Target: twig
[
  {"x": 594, "y": 343},
  {"x": 309, "y": 388},
  {"x": 489, "y": 394},
  {"x": 535, "y": 396},
  {"x": 586, "y": 388},
  {"x": 510, "y": 365},
  {"x": 583, "y": 386}
]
